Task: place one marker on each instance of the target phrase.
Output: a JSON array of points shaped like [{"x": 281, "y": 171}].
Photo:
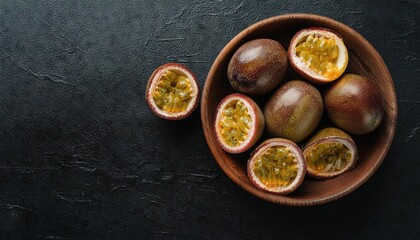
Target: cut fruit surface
[
  {"x": 318, "y": 54},
  {"x": 330, "y": 153},
  {"x": 328, "y": 157},
  {"x": 277, "y": 166},
  {"x": 235, "y": 123},
  {"x": 239, "y": 123},
  {"x": 172, "y": 91}
]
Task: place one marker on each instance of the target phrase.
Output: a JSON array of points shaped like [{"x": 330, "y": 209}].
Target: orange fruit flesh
[
  {"x": 328, "y": 157},
  {"x": 276, "y": 167},
  {"x": 235, "y": 123},
  {"x": 320, "y": 54},
  {"x": 173, "y": 93}
]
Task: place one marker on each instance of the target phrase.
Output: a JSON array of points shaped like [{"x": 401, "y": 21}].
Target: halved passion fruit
[
  {"x": 318, "y": 54},
  {"x": 330, "y": 153},
  {"x": 172, "y": 92},
  {"x": 239, "y": 123},
  {"x": 277, "y": 166}
]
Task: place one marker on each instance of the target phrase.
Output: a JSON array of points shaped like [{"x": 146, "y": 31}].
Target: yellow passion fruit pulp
[
  {"x": 235, "y": 123},
  {"x": 239, "y": 123},
  {"x": 318, "y": 54},
  {"x": 277, "y": 166},
  {"x": 328, "y": 157},
  {"x": 172, "y": 91},
  {"x": 330, "y": 153}
]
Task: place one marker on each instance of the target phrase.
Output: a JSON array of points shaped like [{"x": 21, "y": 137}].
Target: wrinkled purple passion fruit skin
[
  {"x": 257, "y": 67},
  {"x": 293, "y": 111},
  {"x": 354, "y": 104}
]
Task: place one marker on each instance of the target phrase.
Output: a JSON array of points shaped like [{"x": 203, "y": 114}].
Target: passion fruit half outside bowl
[{"x": 363, "y": 59}]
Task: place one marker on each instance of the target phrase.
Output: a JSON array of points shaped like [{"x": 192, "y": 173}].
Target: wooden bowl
[{"x": 363, "y": 60}]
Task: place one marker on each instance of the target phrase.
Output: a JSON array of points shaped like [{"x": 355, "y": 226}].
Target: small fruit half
[
  {"x": 318, "y": 54},
  {"x": 330, "y": 153},
  {"x": 277, "y": 166},
  {"x": 172, "y": 91},
  {"x": 239, "y": 123}
]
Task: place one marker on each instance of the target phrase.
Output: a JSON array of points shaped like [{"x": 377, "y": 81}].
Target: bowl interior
[{"x": 363, "y": 60}]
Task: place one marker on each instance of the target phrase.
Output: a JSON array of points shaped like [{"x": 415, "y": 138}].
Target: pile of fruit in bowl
[
  {"x": 294, "y": 109},
  {"x": 328, "y": 109}
]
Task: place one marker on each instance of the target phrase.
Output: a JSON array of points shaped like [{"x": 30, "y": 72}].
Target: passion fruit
[
  {"x": 277, "y": 165},
  {"x": 172, "y": 91},
  {"x": 293, "y": 111},
  {"x": 257, "y": 67},
  {"x": 354, "y": 104},
  {"x": 318, "y": 54},
  {"x": 239, "y": 123},
  {"x": 330, "y": 153}
]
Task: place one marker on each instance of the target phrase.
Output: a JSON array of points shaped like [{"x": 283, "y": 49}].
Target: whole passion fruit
[
  {"x": 172, "y": 91},
  {"x": 277, "y": 166},
  {"x": 239, "y": 123},
  {"x": 330, "y": 153},
  {"x": 318, "y": 54},
  {"x": 257, "y": 67},
  {"x": 293, "y": 111},
  {"x": 354, "y": 104}
]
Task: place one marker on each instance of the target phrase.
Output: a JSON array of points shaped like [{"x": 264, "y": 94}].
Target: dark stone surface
[{"x": 82, "y": 157}]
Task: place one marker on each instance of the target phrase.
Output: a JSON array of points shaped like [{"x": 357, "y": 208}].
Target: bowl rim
[{"x": 285, "y": 201}]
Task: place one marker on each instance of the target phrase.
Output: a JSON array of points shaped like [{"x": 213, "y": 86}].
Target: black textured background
[{"x": 82, "y": 157}]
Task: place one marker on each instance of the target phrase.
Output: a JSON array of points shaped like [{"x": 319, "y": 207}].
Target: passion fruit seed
[
  {"x": 328, "y": 157},
  {"x": 235, "y": 123},
  {"x": 320, "y": 53},
  {"x": 173, "y": 93},
  {"x": 276, "y": 167}
]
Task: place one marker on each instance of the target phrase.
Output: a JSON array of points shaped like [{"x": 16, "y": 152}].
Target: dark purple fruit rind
[{"x": 257, "y": 67}]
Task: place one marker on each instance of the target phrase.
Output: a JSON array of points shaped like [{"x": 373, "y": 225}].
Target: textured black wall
[{"x": 82, "y": 157}]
